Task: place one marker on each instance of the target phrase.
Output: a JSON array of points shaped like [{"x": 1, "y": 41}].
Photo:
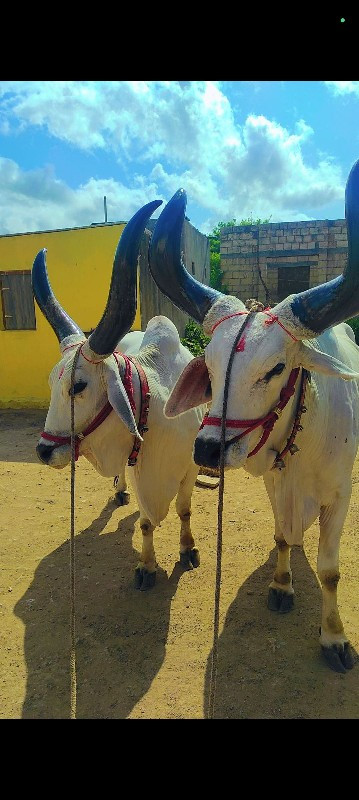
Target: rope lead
[
  {"x": 72, "y": 547},
  {"x": 213, "y": 676}
]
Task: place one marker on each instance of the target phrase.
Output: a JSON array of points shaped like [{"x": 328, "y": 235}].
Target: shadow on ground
[
  {"x": 28, "y": 425},
  {"x": 270, "y": 666},
  {"x": 121, "y": 632}
]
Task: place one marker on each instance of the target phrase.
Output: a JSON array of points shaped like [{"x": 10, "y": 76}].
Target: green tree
[
  {"x": 216, "y": 274},
  {"x": 354, "y": 324},
  {"x": 194, "y": 338}
]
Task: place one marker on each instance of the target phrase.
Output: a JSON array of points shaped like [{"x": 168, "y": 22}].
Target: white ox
[
  {"x": 265, "y": 424},
  {"x": 164, "y": 466}
]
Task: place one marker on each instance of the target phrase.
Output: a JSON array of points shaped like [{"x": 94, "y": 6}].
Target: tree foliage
[
  {"x": 194, "y": 338},
  {"x": 354, "y": 324}
]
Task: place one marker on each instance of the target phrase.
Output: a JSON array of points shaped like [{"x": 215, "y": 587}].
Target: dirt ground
[{"x": 146, "y": 655}]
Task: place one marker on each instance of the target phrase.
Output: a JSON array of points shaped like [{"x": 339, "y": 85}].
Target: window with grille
[{"x": 17, "y": 302}]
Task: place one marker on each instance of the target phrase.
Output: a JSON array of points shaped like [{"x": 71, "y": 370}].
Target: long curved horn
[
  {"x": 333, "y": 302},
  {"x": 62, "y": 324},
  {"x": 167, "y": 267},
  {"x": 121, "y": 305}
]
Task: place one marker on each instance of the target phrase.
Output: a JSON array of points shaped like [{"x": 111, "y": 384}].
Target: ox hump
[{"x": 163, "y": 334}]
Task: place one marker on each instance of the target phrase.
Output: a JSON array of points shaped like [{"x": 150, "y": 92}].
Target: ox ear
[
  {"x": 192, "y": 389},
  {"x": 118, "y": 398},
  {"x": 317, "y": 361}
]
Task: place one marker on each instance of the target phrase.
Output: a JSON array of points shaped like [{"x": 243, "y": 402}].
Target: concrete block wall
[{"x": 250, "y": 250}]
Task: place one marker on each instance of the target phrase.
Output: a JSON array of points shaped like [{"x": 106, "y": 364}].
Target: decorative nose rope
[
  {"x": 286, "y": 393},
  {"x": 213, "y": 676},
  {"x": 74, "y": 442},
  {"x": 73, "y": 698}
]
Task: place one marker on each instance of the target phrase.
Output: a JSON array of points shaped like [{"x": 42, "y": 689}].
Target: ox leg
[
  {"x": 335, "y": 645},
  {"x": 145, "y": 572},
  {"x": 189, "y": 555},
  {"x": 122, "y": 496},
  {"x": 281, "y": 592}
]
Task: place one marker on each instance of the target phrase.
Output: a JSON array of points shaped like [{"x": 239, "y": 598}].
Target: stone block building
[{"x": 271, "y": 261}]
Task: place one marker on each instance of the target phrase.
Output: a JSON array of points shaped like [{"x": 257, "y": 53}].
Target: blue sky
[{"x": 278, "y": 149}]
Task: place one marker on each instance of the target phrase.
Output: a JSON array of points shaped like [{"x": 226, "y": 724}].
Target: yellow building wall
[{"x": 79, "y": 265}]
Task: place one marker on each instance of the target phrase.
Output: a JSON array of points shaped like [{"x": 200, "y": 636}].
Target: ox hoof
[
  {"x": 338, "y": 657},
  {"x": 122, "y": 498},
  {"x": 279, "y": 601},
  {"x": 190, "y": 559},
  {"x": 144, "y": 579}
]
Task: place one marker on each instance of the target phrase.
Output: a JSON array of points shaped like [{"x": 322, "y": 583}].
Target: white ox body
[
  {"x": 316, "y": 481},
  {"x": 165, "y": 466}
]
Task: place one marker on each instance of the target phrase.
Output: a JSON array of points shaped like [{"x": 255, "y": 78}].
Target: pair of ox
[
  {"x": 121, "y": 382},
  {"x": 300, "y": 352},
  {"x": 296, "y": 358}
]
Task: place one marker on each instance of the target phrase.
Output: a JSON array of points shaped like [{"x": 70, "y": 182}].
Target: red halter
[
  {"x": 106, "y": 410},
  {"x": 269, "y": 420},
  {"x": 272, "y": 318}
]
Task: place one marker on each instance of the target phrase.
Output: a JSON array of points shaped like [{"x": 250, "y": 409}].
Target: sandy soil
[{"x": 146, "y": 655}]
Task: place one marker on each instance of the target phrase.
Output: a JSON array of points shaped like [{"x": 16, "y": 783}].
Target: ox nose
[
  {"x": 206, "y": 452},
  {"x": 44, "y": 452}
]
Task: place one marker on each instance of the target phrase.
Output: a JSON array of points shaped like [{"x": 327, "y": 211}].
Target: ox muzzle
[
  {"x": 54, "y": 455},
  {"x": 44, "y": 452},
  {"x": 207, "y": 452}
]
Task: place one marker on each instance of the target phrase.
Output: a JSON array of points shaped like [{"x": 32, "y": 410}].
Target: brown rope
[
  {"x": 213, "y": 676},
  {"x": 72, "y": 548}
]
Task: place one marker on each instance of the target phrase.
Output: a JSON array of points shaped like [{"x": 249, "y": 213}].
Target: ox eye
[
  {"x": 78, "y": 387},
  {"x": 277, "y": 370}
]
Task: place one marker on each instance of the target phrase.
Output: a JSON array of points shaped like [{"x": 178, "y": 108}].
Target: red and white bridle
[
  {"x": 269, "y": 420},
  {"x": 127, "y": 381}
]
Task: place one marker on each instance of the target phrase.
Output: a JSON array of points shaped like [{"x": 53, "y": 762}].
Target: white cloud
[
  {"x": 265, "y": 174},
  {"x": 174, "y": 133},
  {"x": 37, "y": 200},
  {"x": 343, "y": 87}
]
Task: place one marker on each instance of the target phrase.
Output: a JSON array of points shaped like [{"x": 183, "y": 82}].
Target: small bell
[
  {"x": 303, "y": 409},
  {"x": 279, "y": 463},
  {"x": 293, "y": 449}
]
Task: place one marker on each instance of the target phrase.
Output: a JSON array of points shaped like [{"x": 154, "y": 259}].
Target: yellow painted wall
[{"x": 79, "y": 265}]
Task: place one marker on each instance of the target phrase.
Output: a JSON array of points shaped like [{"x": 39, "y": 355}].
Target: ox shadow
[
  {"x": 121, "y": 633},
  {"x": 270, "y": 665},
  {"x": 19, "y": 434}
]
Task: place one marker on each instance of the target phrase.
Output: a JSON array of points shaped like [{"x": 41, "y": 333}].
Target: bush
[
  {"x": 194, "y": 338},
  {"x": 354, "y": 324}
]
